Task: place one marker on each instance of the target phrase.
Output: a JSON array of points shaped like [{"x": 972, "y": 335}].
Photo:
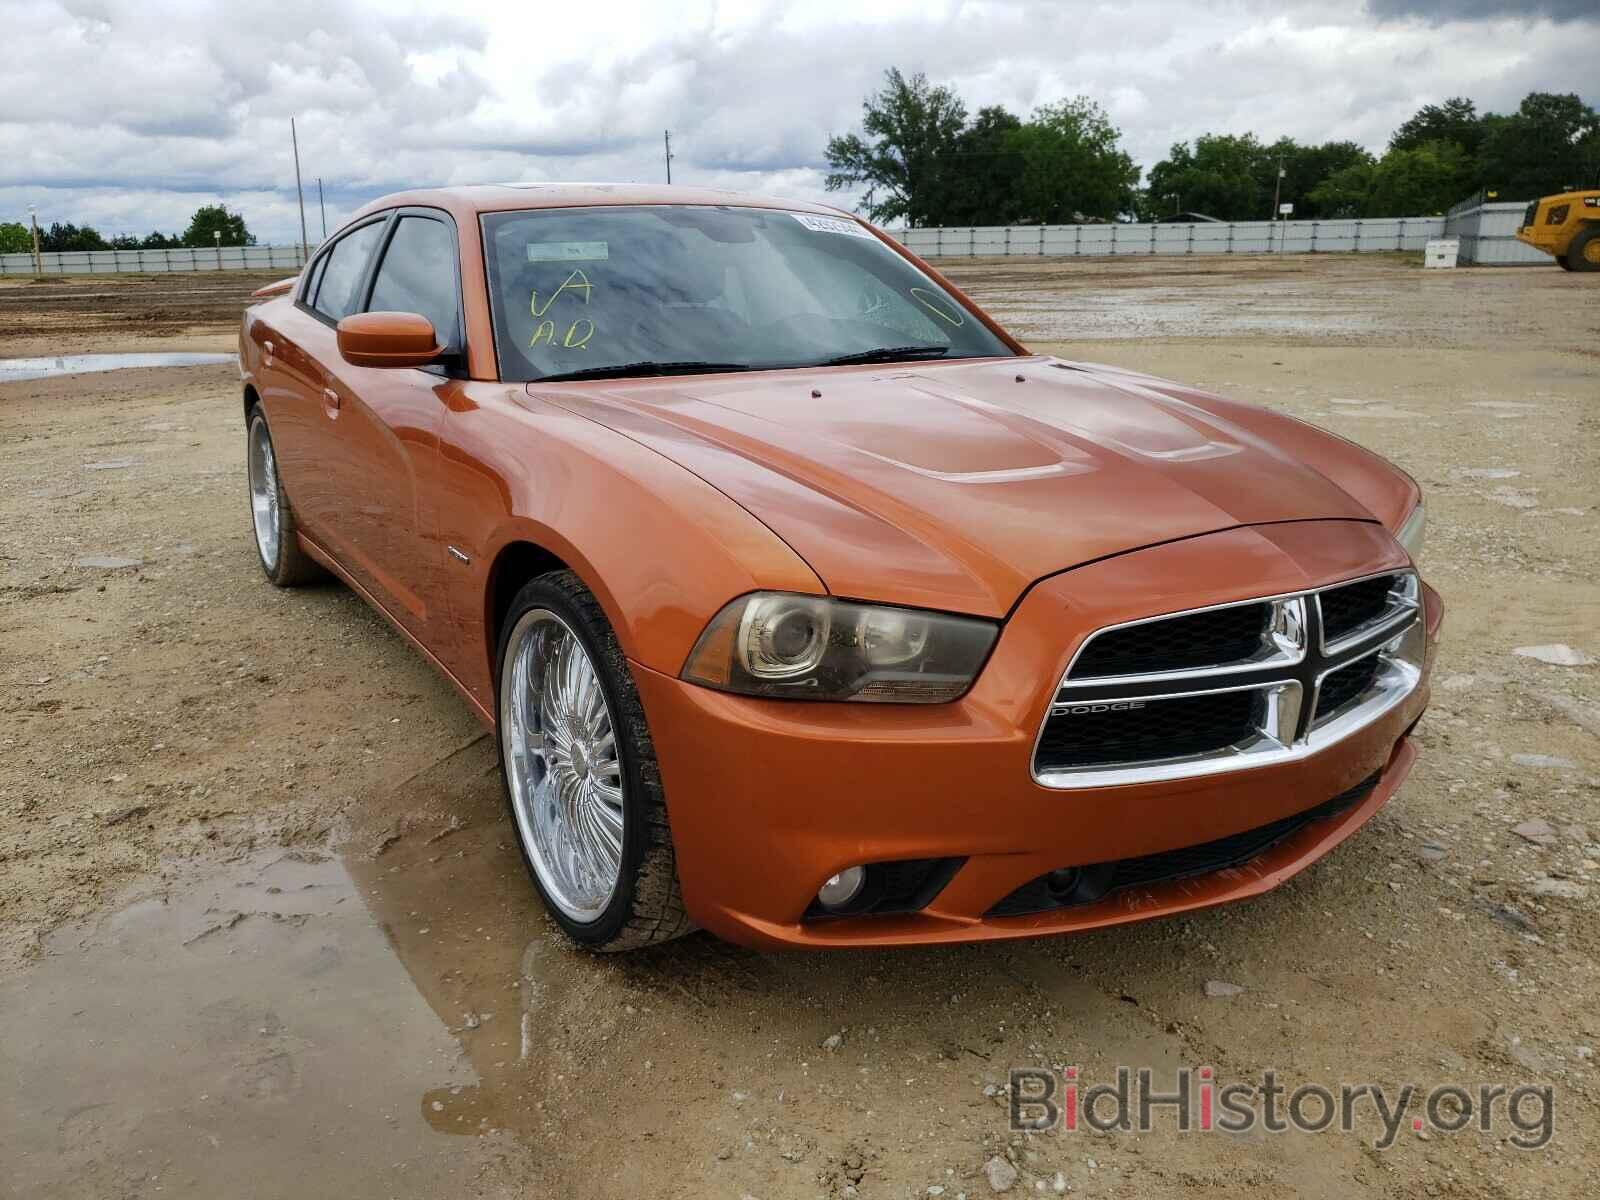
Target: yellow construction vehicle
[{"x": 1567, "y": 226}]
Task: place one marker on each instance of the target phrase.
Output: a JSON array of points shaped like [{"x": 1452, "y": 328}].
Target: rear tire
[
  {"x": 1584, "y": 252},
  {"x": 582, "y": 783},
  {"x": 278, "y": 550}
]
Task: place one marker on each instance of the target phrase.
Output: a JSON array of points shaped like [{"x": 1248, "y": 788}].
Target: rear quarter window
[
  {"x": 337, "y": 291},
  {"x": 309, "y": 293}
]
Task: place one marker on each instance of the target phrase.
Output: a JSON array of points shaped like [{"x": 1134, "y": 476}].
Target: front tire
[
  {"x": 1584, "y": 252},
  {"x": 580, "y": 772},
  {"x": 1561, "y": 261},
  {"x": 278, "y": 550}
]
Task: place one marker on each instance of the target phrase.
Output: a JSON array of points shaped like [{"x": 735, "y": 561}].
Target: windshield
[{"x": 591, "y": 292}]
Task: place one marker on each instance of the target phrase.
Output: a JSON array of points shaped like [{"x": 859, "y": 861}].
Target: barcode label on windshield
[
  {"x": 568, "y": 251},
  {"x": 832, "y": 225}
]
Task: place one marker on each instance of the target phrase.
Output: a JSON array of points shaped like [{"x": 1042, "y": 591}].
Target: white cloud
[{"x": 130, "y": 113}]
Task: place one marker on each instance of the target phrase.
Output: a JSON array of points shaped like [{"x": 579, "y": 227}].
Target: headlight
[
  {"x": 1410, "y": 535},
  {"x": 814, "y": 648}
]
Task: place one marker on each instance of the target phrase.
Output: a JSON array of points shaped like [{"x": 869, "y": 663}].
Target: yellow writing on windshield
[
  {"x": 575, "y": 283},
  {"x": 576, "y": 338},
  {"x": 578, "y": 332}
]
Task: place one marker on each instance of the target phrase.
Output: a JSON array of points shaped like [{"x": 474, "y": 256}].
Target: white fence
[
  {"x": 1219, "y": 237},
  {"x": 1488, "y": 233},
  {"x": 288, "y": 259}
]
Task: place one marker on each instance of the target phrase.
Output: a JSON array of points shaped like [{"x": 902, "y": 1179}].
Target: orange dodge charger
[{"x": 806, "y": 605}]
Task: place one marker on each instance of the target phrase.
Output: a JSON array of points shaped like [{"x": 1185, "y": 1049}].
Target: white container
[{"x": 1441, "y": 252}]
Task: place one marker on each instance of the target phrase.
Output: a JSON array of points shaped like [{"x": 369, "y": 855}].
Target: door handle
[{"x": 330, "y": 401}]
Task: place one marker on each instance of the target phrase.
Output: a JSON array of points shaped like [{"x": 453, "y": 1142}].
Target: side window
[
  {"x": 418, "y": 274},
  {"x": 347, "y": 263}
]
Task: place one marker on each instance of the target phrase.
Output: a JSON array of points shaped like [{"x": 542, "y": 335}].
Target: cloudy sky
[{"x": 128, "y": 114}]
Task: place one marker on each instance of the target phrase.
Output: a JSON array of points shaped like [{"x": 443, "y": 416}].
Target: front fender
[{"x": 661, "y": 549}]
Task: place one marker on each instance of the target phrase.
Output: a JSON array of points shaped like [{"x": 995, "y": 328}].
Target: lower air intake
[{"x": 1085, "y": 884}]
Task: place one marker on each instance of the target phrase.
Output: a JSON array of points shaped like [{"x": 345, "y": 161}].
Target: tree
[
  {"x": 211, "y": 219},
  {"x": 912, "y": 126},
  {"x": 1456, "y": 120},
  {"x": 161, "y": 241},
  {"x": 1345, "y": 193},
  {"x": 1226, "y": 176},
  {"x": 70, "y": 237},
  {"x": 1420, "y": 182},
  {"x": 1551, "y": 143},
  {"x": 1307, "y": 167},
  {"x": 15, "y": 238},
  {"x": 1072, "y": 165},
  {"x": 978, "y": 185}
]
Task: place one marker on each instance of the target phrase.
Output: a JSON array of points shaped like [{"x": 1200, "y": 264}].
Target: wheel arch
[
  {"x": 514, "y": 564},
  {"x": 526, "y": 550},
  {"x": 251, "y": 399}
]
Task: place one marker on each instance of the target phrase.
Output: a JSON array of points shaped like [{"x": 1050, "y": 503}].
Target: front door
[{"x": 382, "y": 426}]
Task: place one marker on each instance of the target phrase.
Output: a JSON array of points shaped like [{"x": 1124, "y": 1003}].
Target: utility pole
[
  {"x": 33, "y": 219},
  {"x": 305, "y": 246},
  {"x": 1277, "y": 187},
  {"x": 324, "y": 209},
  {"x": 666, "y": 135}
]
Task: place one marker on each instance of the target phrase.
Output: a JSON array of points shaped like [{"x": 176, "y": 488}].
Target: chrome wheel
[
  {"x": 263, "y": 470},
  {"x": 562, "y": 765}
]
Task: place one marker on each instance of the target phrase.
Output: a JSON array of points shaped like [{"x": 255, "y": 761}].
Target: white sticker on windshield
[
  {"x": 568, "y": 251},
  {"x": 833, "y": 225}
]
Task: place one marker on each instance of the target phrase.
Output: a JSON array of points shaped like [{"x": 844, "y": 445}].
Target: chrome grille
[
  {"x": 1198, "y": 724},
  {"x": 1346, "y": 684},
  {"x": 1354, "y": 606},
  {"x": 1279, "y": 677},
  {"x": 1217, "y": 635}
]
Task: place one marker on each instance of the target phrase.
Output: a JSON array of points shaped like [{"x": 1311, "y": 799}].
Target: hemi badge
[{"x": 458, "y": 554}]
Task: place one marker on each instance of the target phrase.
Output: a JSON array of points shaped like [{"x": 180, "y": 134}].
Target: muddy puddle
[
  {"x": 13, "y": 370},
  {"x": 294, "y": 1015},
  {"x": 251, "y": 1018}
]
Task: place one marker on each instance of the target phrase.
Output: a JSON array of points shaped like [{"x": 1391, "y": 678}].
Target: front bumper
[{"x": 767, "y": 799}]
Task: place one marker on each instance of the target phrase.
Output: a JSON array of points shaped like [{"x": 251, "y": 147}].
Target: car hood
[{"x": 956, "y": 486}]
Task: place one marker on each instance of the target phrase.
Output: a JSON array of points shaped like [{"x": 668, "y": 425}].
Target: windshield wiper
[
  {"x": 885, "y": 354},
  {"x": 621, "y": 370}
]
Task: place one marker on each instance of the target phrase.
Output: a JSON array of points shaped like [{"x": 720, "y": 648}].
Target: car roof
[{"x": 466, "y": 202}]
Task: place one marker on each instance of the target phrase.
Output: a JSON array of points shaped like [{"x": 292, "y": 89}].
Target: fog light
[
  {"x": 842, "y": 888},
  {"x": 1064, "y": 882}
]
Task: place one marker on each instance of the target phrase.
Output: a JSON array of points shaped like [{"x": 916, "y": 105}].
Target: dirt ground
[{"x": 262, "y": 920}]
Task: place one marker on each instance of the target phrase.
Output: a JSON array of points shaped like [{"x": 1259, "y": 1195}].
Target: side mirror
[{"x": 388, "y": 339}]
